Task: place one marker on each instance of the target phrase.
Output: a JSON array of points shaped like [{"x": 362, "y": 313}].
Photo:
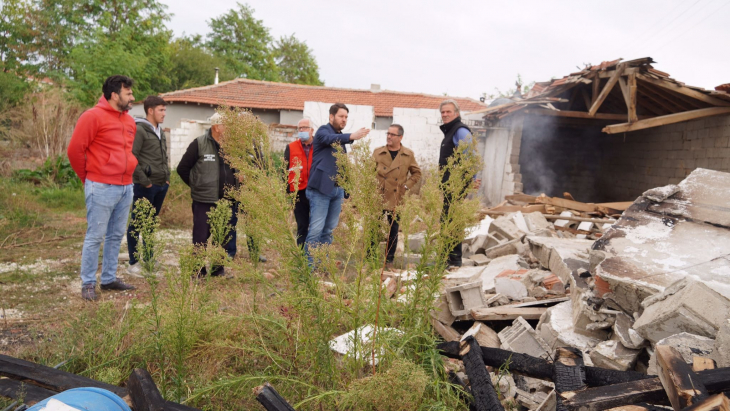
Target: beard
[{"x": 125, "y": 105}]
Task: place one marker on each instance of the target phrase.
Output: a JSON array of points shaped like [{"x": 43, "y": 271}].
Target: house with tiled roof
[{"x": 282, "y": 105}]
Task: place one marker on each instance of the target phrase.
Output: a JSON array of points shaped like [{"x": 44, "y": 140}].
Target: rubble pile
[{"x": 580, "y": 306}]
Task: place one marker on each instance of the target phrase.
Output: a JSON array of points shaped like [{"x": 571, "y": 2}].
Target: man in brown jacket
[{"x": 398, "y": 172}]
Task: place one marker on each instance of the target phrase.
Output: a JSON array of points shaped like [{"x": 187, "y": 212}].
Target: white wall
[
  {"x": 181, "y": 137},
  {"x": 421, "y": 133}
]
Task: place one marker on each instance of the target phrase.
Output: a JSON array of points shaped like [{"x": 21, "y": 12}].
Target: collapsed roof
[{"x": 644, "y": 97}]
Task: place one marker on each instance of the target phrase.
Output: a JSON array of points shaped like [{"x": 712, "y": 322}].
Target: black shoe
[
  {"x": 218, "y": 272},
  {"x": 88, "y": 292},
  {"x": 117, "y": 285}
]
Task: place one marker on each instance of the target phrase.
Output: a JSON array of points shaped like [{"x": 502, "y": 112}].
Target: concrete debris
[
  {"x": 480, "y": 259},
  {"x": 494, "y": 268},
  {"x": 416, "y": 242},
  {"x": 721, "y": 353},
  {"x": 441, "y": 311},
  {"x": 495, "y": 300},
  {"x": 509, "y": 283},
  {"x": 689, "y": 345},
  {"x": 655, "y": 244},
  {"x": 464, "y": 298},
  {"x": 564, "y": 223},
  {"x": 361, "y": 337},
  {"x": 556, "y": 329},
  {"x": 686, "y": 306},
  {"x": 660, "y": 194},
  {"x": 480, "y": 230},
  {"x": 536, "y": 222},
  {"x": 468, "y": 262},
  {"x": 625, "y": 334},
  {"x": 504, "y": 384},
  {"x": 549, "y": 404},
  {"x": 588, "y": 317},
  {"x": 533, "y": 385},
  {"x": 562, "y": 256},
  {"x": 613, "y": 355},
  {"x": 522, "y": 338},
  {"x": 520, "y": 222}
]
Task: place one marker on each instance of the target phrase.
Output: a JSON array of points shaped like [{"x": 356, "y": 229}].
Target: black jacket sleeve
[{"x": 188, "y": 162}]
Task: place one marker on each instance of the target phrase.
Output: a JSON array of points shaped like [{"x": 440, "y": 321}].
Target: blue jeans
[
  {"x": 107, "y": 210},
  {"x": 324, "y": 214},
  {"x": 155, "y": 195}
]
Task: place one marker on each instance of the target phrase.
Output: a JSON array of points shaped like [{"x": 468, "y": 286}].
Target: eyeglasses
[
  {"x": 305, "y": 128},
  {"x": 393, "y": 135}
]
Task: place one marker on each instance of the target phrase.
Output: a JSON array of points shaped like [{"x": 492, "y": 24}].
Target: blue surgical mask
[{"x": 304, "y": 135}]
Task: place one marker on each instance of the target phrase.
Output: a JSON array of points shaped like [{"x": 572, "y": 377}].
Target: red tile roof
[{"x": 284, "y": 96}]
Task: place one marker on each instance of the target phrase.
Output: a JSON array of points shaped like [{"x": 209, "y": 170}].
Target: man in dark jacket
[
  {"x": 455, "y": 133},
  {"x": 325, "y": 197},
  {"x": 298, "y": 160},
  {"x": 152, "y": 175},
  {"x": 209, "y": 176}
]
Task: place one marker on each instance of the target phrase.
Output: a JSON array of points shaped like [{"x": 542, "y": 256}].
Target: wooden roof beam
[
  {"x": 668, "y": 119},
  {"x": 633, "y": 98},
  {"x": 606, "y": 89},
  {"x": 575, "y": 114},
  {"x": 689, "y": 103},
  {"x": 685, "y": 91},
  {"x": 660, "y": 102}
]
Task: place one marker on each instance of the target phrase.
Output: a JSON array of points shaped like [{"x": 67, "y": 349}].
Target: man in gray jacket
[{"x": 151, "y": 178}]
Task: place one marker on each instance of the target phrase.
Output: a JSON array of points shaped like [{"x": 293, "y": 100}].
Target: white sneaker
[{"x": 135, "y": 270}]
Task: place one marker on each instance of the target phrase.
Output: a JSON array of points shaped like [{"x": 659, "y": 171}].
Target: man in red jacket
[
  {"x": 298, "y": 160},
  {"x": 100, "y": 153}
]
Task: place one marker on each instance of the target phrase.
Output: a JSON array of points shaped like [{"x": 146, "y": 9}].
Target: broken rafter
[
  {"x": 632, "y": 98},
  {"x": 667, "y": 119},
  {"x": 682, "y": 385},
  {"x": 685, "y": 90},
  {"x": 606, "y": 89}
]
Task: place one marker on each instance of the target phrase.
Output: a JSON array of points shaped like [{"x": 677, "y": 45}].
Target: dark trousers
[
  {"x": 392, "y": 243},
  {"x": 156, "y": 196},
  {"x": 301, "y": 215},
  {"x": 455, "y": 254},
  {"x": 201, "y": 230}
]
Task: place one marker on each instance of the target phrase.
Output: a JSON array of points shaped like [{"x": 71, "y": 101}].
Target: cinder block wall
[{"x": 654, "y": 157}]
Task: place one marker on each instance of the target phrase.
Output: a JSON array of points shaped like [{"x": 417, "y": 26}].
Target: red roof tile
[{"x": 284, "y": 96}]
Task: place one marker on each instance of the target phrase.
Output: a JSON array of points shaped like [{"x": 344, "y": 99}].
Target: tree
[
  {"x": 296, "y": 62},
  {"x": 191, "y": 65},
  {"x": 243, "y": 43}
]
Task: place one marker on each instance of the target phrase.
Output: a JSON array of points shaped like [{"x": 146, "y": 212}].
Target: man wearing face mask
[{"x": 298, "y": 160}]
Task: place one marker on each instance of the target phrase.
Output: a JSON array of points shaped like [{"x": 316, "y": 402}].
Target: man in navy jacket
[{"x": 325, "y": 197}]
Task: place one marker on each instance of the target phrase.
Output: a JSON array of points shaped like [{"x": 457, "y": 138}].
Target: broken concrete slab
[
  {"x": 721, "y": 353},
  {"x": 494, "y": 268},
  {"x": 464, "y": 298},
  {"x": 689, "y": 345},
  {"x": 522, "y": 338},
  {"x": 562, "y": 256},
  {"x": 656, "y": 244},
  {"x": 512, "y": 288},
  {"x": 481, "y": 229},
  {"x": 624, "y": 332},
  {"x": 660, "y": 194},
  {"x": 519, "y": 219},
  {"x": 588, "y": 319},
  {"x": 463, "y": 275},
  {"x": 497, "y": 299},
  {"x": 481, "y": 259},
  {"x": 536, "y": 222},
  {"x": 614, "y": 356},
  {"x": 556, "y": 329},
  {"x": 416, "y": 242},
  {"x": 468, "y": 262},
  {"x": 441, "y": 311},
  {"x": 686, "y": 306}
]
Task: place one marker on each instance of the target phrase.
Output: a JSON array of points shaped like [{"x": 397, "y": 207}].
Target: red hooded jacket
[{"x": 101, "y": 145}]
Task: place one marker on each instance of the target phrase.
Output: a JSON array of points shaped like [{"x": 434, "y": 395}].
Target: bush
[{"x": 55, "y": 171}]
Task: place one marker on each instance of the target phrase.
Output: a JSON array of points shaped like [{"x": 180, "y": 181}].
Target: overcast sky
[{"x": 465, "y": 48}]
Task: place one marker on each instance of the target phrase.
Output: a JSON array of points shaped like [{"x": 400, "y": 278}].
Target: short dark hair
[
  {"x": 398, "y": 126},
  {"x": 114, "y": 84},
  {"x": 337, "y": 106},
  {"x": 152, "y": 102}
]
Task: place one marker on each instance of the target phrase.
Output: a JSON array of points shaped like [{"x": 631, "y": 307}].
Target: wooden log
[
  {"x": 647, "y": 390},
  {"x": 267, "y": 396},
  {"x": 538, "y": 368},
  {"x": 485, "y": 397},
  {"x": 717, "y": 402},
  {"x": 29, "y": 393},
  {"x": 637, "y": 407},
  {"x": 507, "y": 313},
  {"x": 572, "y": 205},
  {"x": 666, "y": 119},
  {"x": 568, "y": 373},
  {"x": 143, "y": 391},
  {"x": 682, "y": 385}
]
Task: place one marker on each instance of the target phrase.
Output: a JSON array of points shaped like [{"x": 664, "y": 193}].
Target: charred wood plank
[
  {"x": 29, "y": 393},
  {"x": 717, "y": 402},
  {"x": 648, "y": 390},
  {"x": 538, "y": 368},
  {"x": 568, "y": 373},
  {"x": 270, "y": 399},
  {"x": 143, "y": 391},
  {"x": 50, "y": 378},
  {"x": 682, "y": 385},
  {"x": 485, "y": 397}
]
